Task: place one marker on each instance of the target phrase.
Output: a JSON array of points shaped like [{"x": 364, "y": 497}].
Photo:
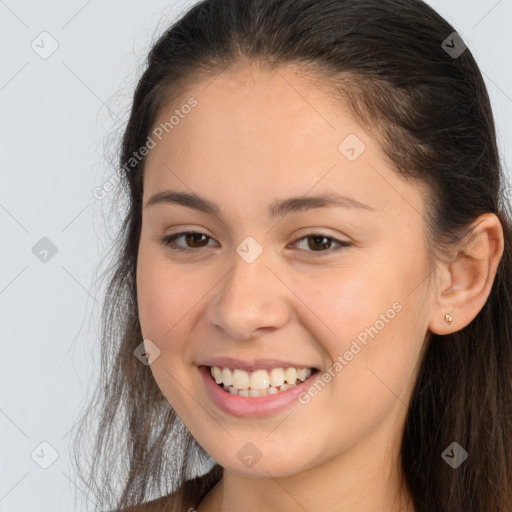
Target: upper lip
[{"x": 255, "y": 364}]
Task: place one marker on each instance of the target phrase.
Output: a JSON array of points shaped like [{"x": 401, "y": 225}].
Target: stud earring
[{"x": 448, "y": 318}]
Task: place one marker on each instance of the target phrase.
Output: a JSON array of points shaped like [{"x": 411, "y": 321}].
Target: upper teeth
[{"x": 258, "y": 379}]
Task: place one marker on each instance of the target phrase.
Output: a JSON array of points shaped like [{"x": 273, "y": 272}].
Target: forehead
[{"x": 256, "y": 134}]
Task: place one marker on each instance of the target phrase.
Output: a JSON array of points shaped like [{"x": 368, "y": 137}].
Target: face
[{"x": 340, "y": 288}]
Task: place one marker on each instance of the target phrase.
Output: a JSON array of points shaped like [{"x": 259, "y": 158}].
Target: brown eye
[
  {"x": 317, "y": 242},
  {"x": 193, "y": 240},
  {"x": 320, "y": 243}
]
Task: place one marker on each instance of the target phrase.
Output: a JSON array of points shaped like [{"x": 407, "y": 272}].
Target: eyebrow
[{"x": 278, "y": 208}]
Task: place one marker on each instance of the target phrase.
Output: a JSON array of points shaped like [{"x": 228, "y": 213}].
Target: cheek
[
  {"x": 367, "y": 327},
  {"x": 345, "y": 301},
  {"x": 166, "y": 300},
  {"x": 164, "y": 296}
]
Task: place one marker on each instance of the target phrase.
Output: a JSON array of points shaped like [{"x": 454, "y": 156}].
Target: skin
[{"x": 254, "y": 137}]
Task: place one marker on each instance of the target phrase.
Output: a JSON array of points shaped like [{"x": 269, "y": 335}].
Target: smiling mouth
[{"x": 259, "y": 382}]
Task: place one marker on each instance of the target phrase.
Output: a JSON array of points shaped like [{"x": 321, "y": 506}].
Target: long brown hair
[{"x": 429, "y": 110}]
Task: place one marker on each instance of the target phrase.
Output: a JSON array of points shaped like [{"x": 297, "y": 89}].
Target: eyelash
[{"x": 167, "y": 241}]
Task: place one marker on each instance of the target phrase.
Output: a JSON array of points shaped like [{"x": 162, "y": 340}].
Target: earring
[{"x": 448, "y": 318}]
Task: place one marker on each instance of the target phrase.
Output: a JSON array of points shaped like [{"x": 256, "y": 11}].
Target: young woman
[{"x": 312, "y": 288}]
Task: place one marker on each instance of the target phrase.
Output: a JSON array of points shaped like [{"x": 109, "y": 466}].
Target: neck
[{"x": 365, "y": 478}]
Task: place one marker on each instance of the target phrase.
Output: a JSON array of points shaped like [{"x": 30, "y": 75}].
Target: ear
[{"x": 465, "y": 283}]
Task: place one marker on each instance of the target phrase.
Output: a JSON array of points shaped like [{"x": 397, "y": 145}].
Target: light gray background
[{"x": 57, "y": 116}]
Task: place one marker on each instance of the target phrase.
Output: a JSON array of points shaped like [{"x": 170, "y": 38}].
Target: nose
[{"x": 251, "y": 300}]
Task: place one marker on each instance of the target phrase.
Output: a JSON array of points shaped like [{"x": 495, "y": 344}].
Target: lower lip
[{"x": 243, "y": 406}]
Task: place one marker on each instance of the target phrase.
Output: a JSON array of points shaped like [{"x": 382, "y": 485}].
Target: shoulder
[
  {"x": 162, "y": 504},
  {"x": 199, "y": 485}
]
